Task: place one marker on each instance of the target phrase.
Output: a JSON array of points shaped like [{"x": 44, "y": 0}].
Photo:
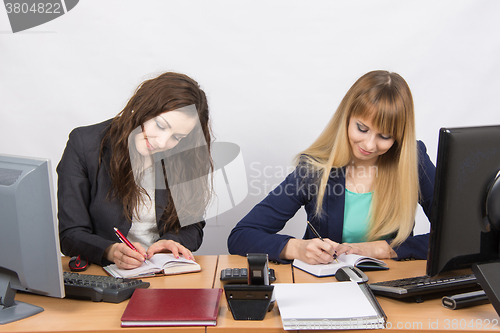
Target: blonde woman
[{"x": 359, "y": 182}]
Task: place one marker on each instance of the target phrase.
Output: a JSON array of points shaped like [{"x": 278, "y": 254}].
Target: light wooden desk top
[
  {"x": 226, "y": 323},
  {"x": 429, "y": 316},
  {"x": 69, "y": 315}
]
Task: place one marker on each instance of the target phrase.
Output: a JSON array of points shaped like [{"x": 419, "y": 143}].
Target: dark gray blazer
[{"x": 86, "y": 214}]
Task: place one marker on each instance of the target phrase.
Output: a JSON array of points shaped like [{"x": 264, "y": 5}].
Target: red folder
[{"x": 172, "y": 307}]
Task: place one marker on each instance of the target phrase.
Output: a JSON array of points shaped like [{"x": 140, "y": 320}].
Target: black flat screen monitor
[
  {"x": 468, "y": 164},
  {"x": 30, "y": 258}
]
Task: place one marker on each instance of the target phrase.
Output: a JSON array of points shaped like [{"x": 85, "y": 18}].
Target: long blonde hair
[{"x": 385, "y": 99}]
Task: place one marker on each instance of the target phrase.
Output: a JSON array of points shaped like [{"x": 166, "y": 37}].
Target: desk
[
  {"x": 429, "y": 316},
  {"x": 67, "y": 315},
  {"x": 226, "y": 323},
  {"x": 70, "y": 315}
]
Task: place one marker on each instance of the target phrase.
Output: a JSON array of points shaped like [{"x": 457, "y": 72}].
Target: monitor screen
[
  {"x": 468, "y": 162},
  {"x": 30, "y": 258}
]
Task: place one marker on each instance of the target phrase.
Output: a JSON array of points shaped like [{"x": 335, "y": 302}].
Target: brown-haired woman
[
  {"x": 119, "y": 173},
  {"x": 359, "y": 182}
]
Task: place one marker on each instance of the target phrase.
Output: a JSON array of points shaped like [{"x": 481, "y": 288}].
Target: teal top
[{"x": 357, "y": 207}]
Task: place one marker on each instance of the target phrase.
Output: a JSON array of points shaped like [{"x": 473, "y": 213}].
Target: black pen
[{"x": 319, "y": 236}]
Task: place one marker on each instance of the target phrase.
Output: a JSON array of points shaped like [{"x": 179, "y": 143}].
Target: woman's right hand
[
  {"x": 124, "y": 257},
  {"x": 312, "y": 251}
]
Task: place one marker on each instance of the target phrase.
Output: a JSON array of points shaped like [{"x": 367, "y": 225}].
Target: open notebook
[
  {"x": 364, "y": 263},
  {"x": 160, "y": 263}
]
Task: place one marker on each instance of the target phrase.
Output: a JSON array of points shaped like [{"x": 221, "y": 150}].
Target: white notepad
[{"x": 327, "y": 306}]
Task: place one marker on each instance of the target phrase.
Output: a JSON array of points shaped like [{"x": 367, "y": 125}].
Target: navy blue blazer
[
  {"x": 258, "y": 231},
  {"x": 86, "y": 214}
]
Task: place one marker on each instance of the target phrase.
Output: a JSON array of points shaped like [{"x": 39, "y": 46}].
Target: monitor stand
[
  {"x": 11, "y": 310},
  {"x": 488, "y": 276}
]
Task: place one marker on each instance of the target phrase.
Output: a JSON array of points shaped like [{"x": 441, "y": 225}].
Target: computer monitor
[
  {"x": 468, "y": 164},
  {"x": 30, "y": 257}
]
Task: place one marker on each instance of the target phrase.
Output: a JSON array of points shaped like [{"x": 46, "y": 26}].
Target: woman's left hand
[
  {"x": 377, "y": 249},
  {"x": 164, "y": 245}
]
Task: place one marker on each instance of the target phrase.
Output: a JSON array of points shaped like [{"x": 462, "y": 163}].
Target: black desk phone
[
  {"x": 240, "y": 275},
  {"x": 249, "y": 292}
]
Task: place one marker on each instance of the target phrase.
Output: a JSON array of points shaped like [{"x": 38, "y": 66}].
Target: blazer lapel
[{"x": 335, "y": 204}]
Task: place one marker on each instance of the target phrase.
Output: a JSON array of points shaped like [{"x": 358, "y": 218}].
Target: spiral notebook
[{"x": 328, "y": 306}]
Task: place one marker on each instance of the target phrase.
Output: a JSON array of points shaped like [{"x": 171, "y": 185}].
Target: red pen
[{"x": 124, "y": 240}]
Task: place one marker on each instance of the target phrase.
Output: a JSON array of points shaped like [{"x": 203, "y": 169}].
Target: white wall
[{"x": 274, "y": 72}]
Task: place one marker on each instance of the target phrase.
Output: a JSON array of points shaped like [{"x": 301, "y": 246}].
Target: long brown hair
[
  {"x": 385, "y": 99},
  {"x": 169, "y": 91}
]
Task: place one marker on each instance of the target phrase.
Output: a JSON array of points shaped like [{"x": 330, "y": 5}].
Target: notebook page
[{"x": 336, "y": 300}]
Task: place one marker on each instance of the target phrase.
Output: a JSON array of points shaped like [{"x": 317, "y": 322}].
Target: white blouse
[{"x": 144, "y": 229}]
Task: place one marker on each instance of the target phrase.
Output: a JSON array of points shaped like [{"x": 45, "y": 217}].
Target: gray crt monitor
[{"x": 30, "y": 258}]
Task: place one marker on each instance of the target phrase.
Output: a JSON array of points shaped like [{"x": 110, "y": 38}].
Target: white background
[{"x": 274, "y": 73}]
